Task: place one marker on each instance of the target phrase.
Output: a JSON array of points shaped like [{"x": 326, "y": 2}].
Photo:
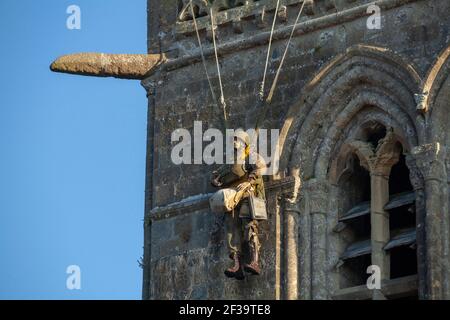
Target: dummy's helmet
[{"x": 242, "y": 135}]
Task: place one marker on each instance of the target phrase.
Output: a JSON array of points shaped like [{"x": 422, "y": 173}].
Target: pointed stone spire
[{"x": 123, "y": 66}]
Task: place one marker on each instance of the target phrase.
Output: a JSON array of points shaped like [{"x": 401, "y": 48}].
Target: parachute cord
[
  {"x": 203, "y": 55},
  {"x": 222, "y": 98},
  {"x": 272, "y": 89},
  {"x": 261, "y": 91}
]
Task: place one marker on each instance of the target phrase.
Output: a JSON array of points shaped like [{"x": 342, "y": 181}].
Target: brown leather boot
[
  {"x": 236, "y": 270},
  {"x": 253, "y": 266}
]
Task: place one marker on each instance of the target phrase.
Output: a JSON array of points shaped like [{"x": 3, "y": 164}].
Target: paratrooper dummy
[{"x": 243, "y": 192}]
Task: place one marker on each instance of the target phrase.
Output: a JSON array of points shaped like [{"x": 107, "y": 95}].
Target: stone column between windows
[
  {"x": 318, "y": 196},
  {"x": 291, "y": 212},
  {"x": 379, "y": 220},
  {"x": 416, "y": 178},
  {"x": 379, "y": 163},
  {"x": 387, "y": 155},
  {"x": 430, "y": 159}
]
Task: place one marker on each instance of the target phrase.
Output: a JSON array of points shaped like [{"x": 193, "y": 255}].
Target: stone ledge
[
  {"x": 201, "y": 201},
  {"x": 186, "y": 205}
]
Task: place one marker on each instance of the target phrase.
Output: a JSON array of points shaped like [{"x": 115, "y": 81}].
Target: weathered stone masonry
[
  {"x": 339, "y": 77},
  {"x": 364, "y": 175}
]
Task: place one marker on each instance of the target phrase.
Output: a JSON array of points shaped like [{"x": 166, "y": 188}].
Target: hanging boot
[
  {"x": 236, "y": 270},
  {"x": 253, "y": 266}
]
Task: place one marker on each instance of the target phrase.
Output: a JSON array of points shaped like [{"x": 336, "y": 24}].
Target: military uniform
[
  {"x": 236, "y": 222},
  {"x": 240, "y": 228}
]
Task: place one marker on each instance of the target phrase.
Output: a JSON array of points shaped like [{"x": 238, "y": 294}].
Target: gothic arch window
[
  {"x": 377, "y": 218},
  {"x": 354, "y": 208},
  {"x": 402, "y": 222}
]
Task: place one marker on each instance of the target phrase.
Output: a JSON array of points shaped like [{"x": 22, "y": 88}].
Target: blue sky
[{"x": 72, "y": 153}]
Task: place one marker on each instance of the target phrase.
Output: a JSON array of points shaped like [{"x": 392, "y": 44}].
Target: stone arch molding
[
  {"x": 434, "y": 101},
  {"x": 365, "y": 80},
  {"x": 364, "y": 84},
  {"x": 433, "y": 161},
  {"x": 378, "y": 159},
  {"x": 367, "y": 84}
]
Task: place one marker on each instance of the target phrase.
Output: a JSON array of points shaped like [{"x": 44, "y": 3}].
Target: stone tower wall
[{"x": 185, "y": 251}]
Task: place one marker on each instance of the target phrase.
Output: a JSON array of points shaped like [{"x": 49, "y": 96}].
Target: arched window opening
[
  {"x": 402, "y": 222},
  {"x": 355, "y": 221},
  {"x": 377, "y": 218},
  {"x": 399, "y": 178},
  {"x": 375, "y": 134}
]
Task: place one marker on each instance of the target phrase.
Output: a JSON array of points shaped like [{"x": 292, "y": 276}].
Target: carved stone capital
[
  {"x": 290, "y": 202},
  {"x": 288, "y": 195},
  {"x": 421, "y": 101},
  {"x": 387, "y": 154},
  {"x": 430, "y": 159},
  {"x": 415, "y": 175},
  {"x": 382, "y": 164},
  {"x": 379, "y": 161}
]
